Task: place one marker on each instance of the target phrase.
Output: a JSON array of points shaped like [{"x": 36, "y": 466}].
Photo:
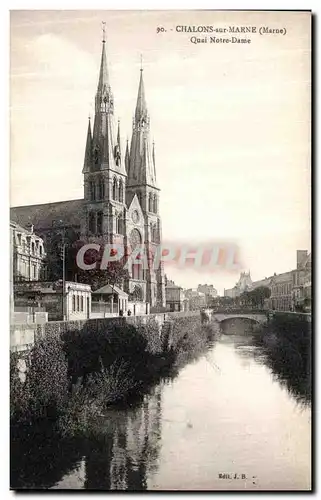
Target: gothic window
[
  {"x": 115, "y": 189},
  {"x": 120, "y": 224},
  {"x": 92, "y": 190},
  {"x": 40, "y": 250},
  {"x": 155, "y": 204},
  {"x": 100, "y": 217},
  {"x": 135, "y": 238},
  {"x": 150, "y": 202},
  {"x": 154, "y": 239},
  {"x": 101, "y": 189},
  {"x": 92, "y": 223},
  {"x": 32, "y": 248},
  {"x": 121, "y": 191},
  {"x": 117, "y": 155},
  {"x": 96, "y": 155}
]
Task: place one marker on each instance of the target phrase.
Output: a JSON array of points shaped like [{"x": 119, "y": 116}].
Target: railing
[
  {"x": 231, "y": 310},
  {"x": 103, "y": 307}
]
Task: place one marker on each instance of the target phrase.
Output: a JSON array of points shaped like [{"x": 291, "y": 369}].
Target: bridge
[
  {"x": 257, "y": 316},
  {"x": 260, "y": 317}
]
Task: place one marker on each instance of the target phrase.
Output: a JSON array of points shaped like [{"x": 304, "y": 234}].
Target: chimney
[{"x": 301, "y": 256}]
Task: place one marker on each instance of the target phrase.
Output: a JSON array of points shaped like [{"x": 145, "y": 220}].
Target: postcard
[{"x": 160, "y": 266}]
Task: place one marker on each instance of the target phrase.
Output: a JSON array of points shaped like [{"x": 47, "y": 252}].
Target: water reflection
[
  {"x": 224, "y": 413},
  {"x": 125, "y": 450}
]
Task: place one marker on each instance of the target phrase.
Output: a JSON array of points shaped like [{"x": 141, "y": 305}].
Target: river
[{"x": 226, "y": 422}]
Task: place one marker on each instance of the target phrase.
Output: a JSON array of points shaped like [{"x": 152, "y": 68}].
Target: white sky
[{"x": 231, "y": 123}]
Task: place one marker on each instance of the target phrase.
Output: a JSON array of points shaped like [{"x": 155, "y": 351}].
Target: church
[{"x": 121, "y": 195}]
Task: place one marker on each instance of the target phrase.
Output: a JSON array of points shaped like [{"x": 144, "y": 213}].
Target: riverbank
[
  {"x": 287, "y": 342},
  {"x": 71, "y": 379}
]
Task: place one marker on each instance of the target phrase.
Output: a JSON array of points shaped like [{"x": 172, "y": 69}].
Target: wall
[
  {"x": 21, "y": 317},
  {"x": 23, "y": 336}
]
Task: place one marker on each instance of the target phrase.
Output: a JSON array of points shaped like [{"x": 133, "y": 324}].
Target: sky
[{"x": 231, "y": 123}]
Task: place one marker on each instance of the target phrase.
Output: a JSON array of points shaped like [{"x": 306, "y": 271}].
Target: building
[
  {"x": 302, "y": 292},
  {"x": 109, "y": 300},
  {"x": 196, "y": 300},
  {"x": 289, "y": 290},
  {"x": 175, "y": 297},
  {"x": 121, "y": 194},
  {"x": 49, "y": 297},
  {"x": 244, "y": 284},
  {"x": 208, "y": 290},
  {"x": 28, "y": 254}
]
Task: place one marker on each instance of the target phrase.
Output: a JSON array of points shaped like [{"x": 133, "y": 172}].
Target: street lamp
[{"x": 63, "y": 257}]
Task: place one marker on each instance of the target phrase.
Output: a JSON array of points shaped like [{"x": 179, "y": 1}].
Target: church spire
[
  {"x": 153, "y": 153},
  {"x": 141, "y": 167},
  {"x": 88, "y": 151},
  {"x": 103, "y": 81},
  {"x": 141, "y": 107},
  {"x": 118, "y": 136},
  {"x": 105, "y": 141},
  {"x": 127, "y": 157}
]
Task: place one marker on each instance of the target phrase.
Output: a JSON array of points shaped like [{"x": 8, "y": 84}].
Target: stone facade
[
  {"x": 175, "y": 297},
  {"x": 121, "y": 195},
  {"x": 28, "y": 253},
  {"x": 49, "y": 296}
]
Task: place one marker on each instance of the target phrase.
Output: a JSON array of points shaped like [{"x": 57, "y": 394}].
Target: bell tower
[
  {"x": 104, "y": 168},
  {"x": 142, "y": 182}
]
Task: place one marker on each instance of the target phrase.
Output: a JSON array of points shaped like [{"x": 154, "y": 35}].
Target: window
[
  {"x": 150, "y": 202},
  {"x": 78, "y": 306},
  {"x": 40, "y": 250},
  {"x": 33, "y": 248},
  {"x": 100, "y": 218},
  {"x": 101, "y": 189},
  {"x": 19, "y": 238},
  {"x": 92, "y": 193},
  {"x": 155, "y": 204},
  {"x": 92, "y": 223},
  {"x": 73, "y": 303},
  {"x": 82, "y": 303},
  {"x": 34, "y": 271},
  {"x": 121, "y": 191},
  {"x": 115, "y": 189},
  {"x": 119, "y": 224}
]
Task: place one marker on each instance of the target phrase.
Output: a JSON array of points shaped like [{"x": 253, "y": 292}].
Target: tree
[
  {"x": 136, "y": 293},
  {"x": 258, "y": 295},
  {"x": 114, "y": 274}
]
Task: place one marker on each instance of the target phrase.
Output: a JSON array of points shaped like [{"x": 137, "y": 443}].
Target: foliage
[
  {"x": 45, "y": 390},
  {"x": 114, "y": 274},
  {"x": 136, "y": 294},
  {"x": 53, "y": 262},
  {"x": 255, "y": 297},
  {"x": 287, "y": 342}
]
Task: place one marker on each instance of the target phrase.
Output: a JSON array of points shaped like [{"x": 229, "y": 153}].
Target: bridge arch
[{"x": 254, "y": 318}]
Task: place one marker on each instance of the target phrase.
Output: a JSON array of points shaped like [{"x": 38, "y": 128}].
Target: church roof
[{"x": 44, "y": 215}]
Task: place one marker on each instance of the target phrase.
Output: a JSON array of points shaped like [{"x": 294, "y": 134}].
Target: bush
[{"x": 45, "y": 390}]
